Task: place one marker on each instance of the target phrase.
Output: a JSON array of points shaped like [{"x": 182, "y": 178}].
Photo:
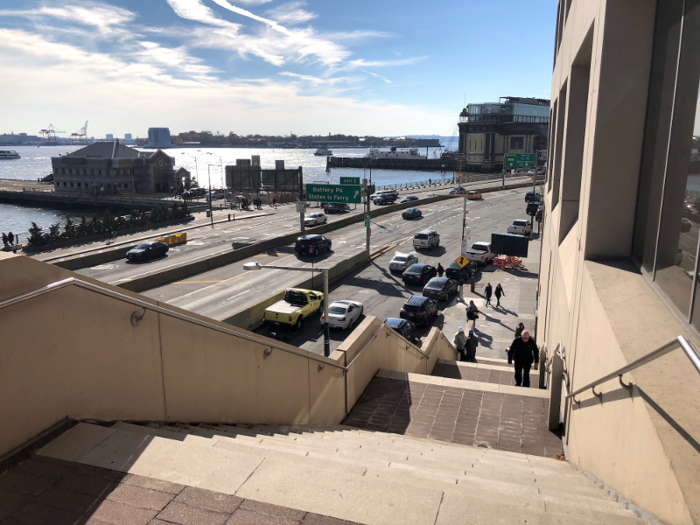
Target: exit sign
[{"x": 350, "y": 181}]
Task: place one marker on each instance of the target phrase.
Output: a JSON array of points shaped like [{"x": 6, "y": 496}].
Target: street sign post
[
  {"x": 334, "y": 193},
  {"x": 465, "y": 247},
  {"x": 519, "y": 160},
  {"x": 462, "y": 261},
  {"x": 350, "y": 181}
]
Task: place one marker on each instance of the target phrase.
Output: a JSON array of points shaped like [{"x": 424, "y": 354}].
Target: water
[{"x": 203, "y": 163}]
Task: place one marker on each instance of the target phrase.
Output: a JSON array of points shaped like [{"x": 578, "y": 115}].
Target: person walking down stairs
[
  {"x": 472, "y": 314},
  {"x": 460, "y": 342},
  {"x": 524, "y": 353},
  {"x": 472, "y": 343}
]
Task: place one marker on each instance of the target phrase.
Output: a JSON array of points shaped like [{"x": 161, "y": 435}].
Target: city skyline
[{"x": 266, "y": 66}]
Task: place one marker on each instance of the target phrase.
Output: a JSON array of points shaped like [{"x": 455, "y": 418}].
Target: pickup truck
[
  {"x": 520, "y": 227},
  {"x": 480, "y": 253},
  {"x": 296, "y": 306}
]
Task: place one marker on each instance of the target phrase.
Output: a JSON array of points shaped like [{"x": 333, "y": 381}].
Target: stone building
[
  {"x": 512, "y": 125},
  {"x": 110, "y": 168}
]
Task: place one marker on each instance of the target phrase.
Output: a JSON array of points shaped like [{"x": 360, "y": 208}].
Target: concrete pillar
[{"x": 555, "y": 382}]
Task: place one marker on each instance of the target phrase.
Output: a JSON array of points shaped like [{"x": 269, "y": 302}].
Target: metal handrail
[
  {"x": 73, "y": 281},
  {"x": 680, "y": 341}
]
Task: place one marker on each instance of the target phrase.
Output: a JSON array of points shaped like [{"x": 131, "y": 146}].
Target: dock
[{"x": 423, "y": 164}]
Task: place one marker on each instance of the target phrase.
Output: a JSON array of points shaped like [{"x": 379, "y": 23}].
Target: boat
[
  {"x": 323, "y": 152},
  {"x": 8, "y": 154},
  {"x": 395, "y": 153}
]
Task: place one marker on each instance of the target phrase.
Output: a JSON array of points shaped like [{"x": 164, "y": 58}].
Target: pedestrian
[
  {"x": 11, "y": 238},
  {"x": 440, "y": 270},
  {"x": 499, "y": 293},
  {"x": 4, "y": 239},
  {"x": 472, "y": 313},
  {"x": 519, "y": 330},
  {"x": 274, "y": 202},
  {"x": 523, "y": 352},
  {"x": 460, "y": 342},
  {"x": 472, "y": 343},
  {"x": 489, "y": 292}
]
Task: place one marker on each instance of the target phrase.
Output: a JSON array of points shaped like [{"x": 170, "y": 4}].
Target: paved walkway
[
  {"x": 496, "y": 326},
  {"x": 46, "y": 491}
]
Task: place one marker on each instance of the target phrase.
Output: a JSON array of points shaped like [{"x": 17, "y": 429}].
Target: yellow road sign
[{"x": 462, "y": 261}]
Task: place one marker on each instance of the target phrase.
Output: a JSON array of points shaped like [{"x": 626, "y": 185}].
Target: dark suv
[
  {"x": 532, "y": 196},
  {"x": 312, "y": 244},
  {"x": 420, "y": 310},
  {"x": 455, "y": 272},
  {"x": 336, "y": 207},
  {"x": 418, "y": 274},
  {"x": 405, "y": 329}
]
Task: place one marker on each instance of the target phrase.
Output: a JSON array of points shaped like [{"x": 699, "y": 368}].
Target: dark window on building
[
  {"x": 92, "y": 172},
  {"x": 71, "y": 184},
  {"x": 99, "y": 172},
  {"x": 64, "y": 184},
  {"x": 70, "y": 171},
  {"x": 79, "y": 185},
  {"x": 517, "y": 143},
  {"x": 126, "y": 186}
]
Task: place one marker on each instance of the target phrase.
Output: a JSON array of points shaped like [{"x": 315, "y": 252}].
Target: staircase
[{"x": 346, "y": 473}]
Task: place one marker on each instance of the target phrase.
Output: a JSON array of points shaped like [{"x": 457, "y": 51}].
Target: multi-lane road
[{"x": 223, "y": 292}]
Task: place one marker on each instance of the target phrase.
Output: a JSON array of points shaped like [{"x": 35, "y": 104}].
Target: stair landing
[{"x": 455, "y": 411}]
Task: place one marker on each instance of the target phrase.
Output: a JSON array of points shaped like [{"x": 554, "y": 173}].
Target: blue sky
[{"x": 267, "y": 66}]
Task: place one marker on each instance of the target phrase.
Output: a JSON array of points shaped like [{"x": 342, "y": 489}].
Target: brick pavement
[
  {"x": 484, "y": 375},
  {"x": 45, "y": 491},
  {"x": 469, "y": 417}
]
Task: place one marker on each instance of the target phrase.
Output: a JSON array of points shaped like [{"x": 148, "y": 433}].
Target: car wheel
[
  {"x": 329, "y": 246},
  {"x": 350, "y": 322},
  {"x": 298, "y": 324}
]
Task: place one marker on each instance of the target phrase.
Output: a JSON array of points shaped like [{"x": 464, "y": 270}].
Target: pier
[{"x": 423, "y": 164}]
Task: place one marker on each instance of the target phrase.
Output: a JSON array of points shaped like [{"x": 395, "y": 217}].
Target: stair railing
[
  {"x": 680, "y": 342},
  {"x": 137, "y": 316}
]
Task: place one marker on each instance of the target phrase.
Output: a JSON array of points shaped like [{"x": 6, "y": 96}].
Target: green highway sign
[
  {"x": 367, "y": 224},
  {"x": 351, "y": 181},
  {"x": 334, "y": 193},
  {"x": 519, "y": 160}
]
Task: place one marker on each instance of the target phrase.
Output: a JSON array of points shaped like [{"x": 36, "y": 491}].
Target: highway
[
  {"x": 206, "y": 241},
  {"x": 222, "y": 292}
]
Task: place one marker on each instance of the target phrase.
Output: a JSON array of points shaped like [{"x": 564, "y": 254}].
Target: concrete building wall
[{"x": 593, "y": 298}]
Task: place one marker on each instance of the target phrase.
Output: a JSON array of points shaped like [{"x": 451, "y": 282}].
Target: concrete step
[{"x": 367, "y": 489}]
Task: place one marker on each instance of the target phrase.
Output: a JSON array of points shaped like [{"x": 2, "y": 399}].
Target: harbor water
[{"x": 203, "y": 163}]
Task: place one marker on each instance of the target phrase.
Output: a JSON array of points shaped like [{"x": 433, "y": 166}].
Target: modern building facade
[
  {"x": 619, "y": 273},
  {"x": 110, "y": 168},
  {"x": 158, "y": 138},
  {"x": 512, "y": 125}
]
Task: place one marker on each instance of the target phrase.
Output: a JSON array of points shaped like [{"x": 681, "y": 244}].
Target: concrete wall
[
  {"x": 605, "y": 313},
  {"x": 74, "y": 352}
]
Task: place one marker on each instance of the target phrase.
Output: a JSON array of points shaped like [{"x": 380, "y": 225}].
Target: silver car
[
  {"x": 343, "y": 314},
  {"x": 315, "y": 219},
  {"x": 401, "y": 261}
]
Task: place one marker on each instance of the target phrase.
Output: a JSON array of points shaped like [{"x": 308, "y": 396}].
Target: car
[
  {"x": 455, "y": 272},
  {"x": 419, "y": 309},
  {"x": 458, "y": 191},
  {"x": 418, "y": 273},
  {"x": 147, "y": 250},
  {"x": 312, "y": 244},
  {"x": 480, "y": 252},
  {"x": 520, "y": 227},
  {"x": 533, "y": 196},
  {"x": 440, "y": 288},
  {"x": 336, "y": 207},
  {"x": 343, "y": 314},
  {"x": 685, "y": 225},
  {"x": 427, "y": 239},
  {"x": 404, "y": 328},
  {"x": 401, "y": 261},
  {"x": 411, "y": 213},
  {"x": 315, "y": 219},
  {"x": 393, "y": 193},
  {"x": 474, "y": 195},
  {"x": 385, "y": 198},
  {"x": 298, "y": 304},
  {"x": 533, "y": 207},
  {"x": 409, "y": 198}
]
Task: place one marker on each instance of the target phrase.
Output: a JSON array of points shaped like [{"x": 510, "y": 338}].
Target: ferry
[
  {"x": 394, "y": 153},
  {"x": 8, "y": 154},
  {"x": 323, "y": 152}
]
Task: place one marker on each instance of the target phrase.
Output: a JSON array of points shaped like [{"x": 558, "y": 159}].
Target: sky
[{"x": 359, "y": 67}]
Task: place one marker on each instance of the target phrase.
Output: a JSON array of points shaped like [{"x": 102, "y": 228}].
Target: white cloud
[
  {"x": 384, "y": 63},
  {"x": 291, "y": 13},
  {"x": 377, "y": 76}
]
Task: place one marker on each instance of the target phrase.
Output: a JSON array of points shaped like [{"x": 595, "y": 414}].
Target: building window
[
  {"x": 65, "y": 184},
  {"x": 70, "y": 171},
  {"x": 517, "y": 143},
  {"x": 126, "y": 186},
  {"x": 63, "y": 170},
  {"x": 79, "y": 185},
  {"x": 92, "y": 172},
  {"x": 99, "y": 172},
  {"x": 71, "y": 184}
]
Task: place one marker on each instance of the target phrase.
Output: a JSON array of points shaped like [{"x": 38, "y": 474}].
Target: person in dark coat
[
  {"x": 4, "y": 239},
  {"x": 472, "y": 314},
  {"x": 489, "y": 292},
  {"x": 440, "y": 270},
  {"x": 524, "y": 353},
  {"x": 519, "y": 330},
  {"x": 472, "y": 343},
  {"x": 11, "y": 238},
  {"x": 499, "y": 293}
]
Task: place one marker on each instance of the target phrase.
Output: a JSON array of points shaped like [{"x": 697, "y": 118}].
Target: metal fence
[{"x": 442, "y": 181}]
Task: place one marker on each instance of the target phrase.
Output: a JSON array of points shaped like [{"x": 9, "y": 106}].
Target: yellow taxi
[{"x": 474, "y": 195}]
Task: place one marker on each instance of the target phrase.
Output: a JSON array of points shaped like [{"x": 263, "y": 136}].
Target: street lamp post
[{"x": 254, "y": 266}]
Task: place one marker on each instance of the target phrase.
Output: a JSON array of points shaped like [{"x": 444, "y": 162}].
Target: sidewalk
[{"x": 496, "y": 326}]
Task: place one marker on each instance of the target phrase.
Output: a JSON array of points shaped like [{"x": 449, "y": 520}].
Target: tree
[
  {"x": 36, "y": 235},
  {"x": 55, "y": 232},
  {"x": 69, "y": 229}
]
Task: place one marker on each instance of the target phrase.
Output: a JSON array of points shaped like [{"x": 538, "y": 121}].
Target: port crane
[
  {"x": 80, "y": 137},
  {"x": 49, "y": 134}
]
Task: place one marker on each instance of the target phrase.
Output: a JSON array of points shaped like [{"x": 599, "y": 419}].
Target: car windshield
[
  {"x": 421, "y": 236},
  {"x": 415, "y": 270},
  {"x": 142, "y": 246},
  {"x": 337, "y": 309},
  {"x": 400, "y": 259},
  {"x": 295, "y": 297},
  {"x": 412, "y": 308}
]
